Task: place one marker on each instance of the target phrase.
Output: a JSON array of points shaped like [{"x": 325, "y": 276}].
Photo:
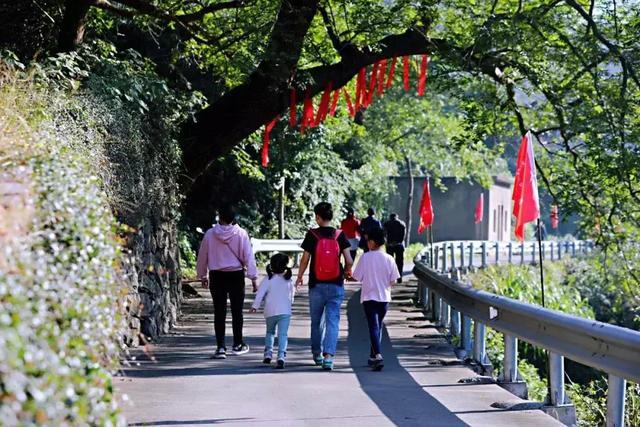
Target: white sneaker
[{"x": 240, "y": 349}]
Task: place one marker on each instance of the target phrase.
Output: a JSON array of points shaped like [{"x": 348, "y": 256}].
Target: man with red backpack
[{"x": 323, "y": 246}]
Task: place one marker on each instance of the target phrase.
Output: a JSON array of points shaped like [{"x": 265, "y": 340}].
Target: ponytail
[{"x": 279, "y": 265}]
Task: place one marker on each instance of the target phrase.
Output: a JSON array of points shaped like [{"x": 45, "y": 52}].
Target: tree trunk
[
  {"x": 73, "y": 24},
  {"x": 409, "y": 200}
]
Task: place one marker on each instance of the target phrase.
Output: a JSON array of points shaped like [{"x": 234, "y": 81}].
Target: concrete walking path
[{"x": 418, "y": 386}]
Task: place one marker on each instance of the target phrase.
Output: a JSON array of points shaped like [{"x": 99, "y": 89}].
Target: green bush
[{"x": 59, "y": 279}]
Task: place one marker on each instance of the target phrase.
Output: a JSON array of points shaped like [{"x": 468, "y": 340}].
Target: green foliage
[
  {"x": 187, "y": 257},
  {"x": 412, "y": 250},
  {"x": 60, "y": 283}
]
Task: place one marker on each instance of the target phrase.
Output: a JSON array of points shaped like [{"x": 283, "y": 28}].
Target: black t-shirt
[
  {"x": 396, "y": 231},
  {"x": 309, "y": 244}
]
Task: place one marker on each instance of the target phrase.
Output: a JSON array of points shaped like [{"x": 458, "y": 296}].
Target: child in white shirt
[
  {"x": 378, "y": 272},
  {"x": 277, "y": 290}
]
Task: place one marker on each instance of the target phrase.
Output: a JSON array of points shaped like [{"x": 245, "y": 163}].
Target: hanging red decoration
[
  {"x": 373, "y": 79},
  {"x": 293, "y": 119},
  {"x": 352, "y": 112},
  {"x": 382, "y": 73},
  {"x": 307, "y": 113},
  {"x": 265, "y": 140},
  {"x": 392, "y": 71},
  {"x": 422, "y": 80},
  {"x": 360, "y": 87},
  {"x": 323, "y": 108},
  {"x": 405, "y": 72},
  {"x": 334, "y": 102}
]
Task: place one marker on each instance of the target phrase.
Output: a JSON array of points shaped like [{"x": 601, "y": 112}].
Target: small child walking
[
  {"x": 378, "y": 272},
  {"x": 277, "y": 291}
]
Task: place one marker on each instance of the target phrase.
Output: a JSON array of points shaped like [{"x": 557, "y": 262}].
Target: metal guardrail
[
  {"x": 455, "y": 306},
  {"x": 450, "y": 255},
  {"x": 281, "y": 245}
]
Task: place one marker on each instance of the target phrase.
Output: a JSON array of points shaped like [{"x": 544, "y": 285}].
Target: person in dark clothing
[
  {"x": 367, "y": 225},
  {"x": 542, "y": 230},
  {"x": 396, "y": 231}
]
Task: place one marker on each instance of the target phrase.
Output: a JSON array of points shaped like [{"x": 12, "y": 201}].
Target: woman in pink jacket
[{"x": 226, "y": 255}]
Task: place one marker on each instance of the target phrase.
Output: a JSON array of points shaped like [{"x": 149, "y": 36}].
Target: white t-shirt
[
  {"x": 277, "y": 293},
  {"x": 376, "y": 270}
]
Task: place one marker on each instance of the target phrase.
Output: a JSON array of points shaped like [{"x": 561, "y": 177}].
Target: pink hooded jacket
[{"x": 226, "y": 248}]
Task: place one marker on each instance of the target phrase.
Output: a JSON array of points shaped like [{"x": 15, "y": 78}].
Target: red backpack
[{"x": 326, "y": 262}]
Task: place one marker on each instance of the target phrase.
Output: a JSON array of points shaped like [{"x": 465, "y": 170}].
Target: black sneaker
[
  {"x": 280, "y": 364},
  {"x": 378, "y": 363},
  {"x": 220, "y": 353},
  {"x": 240, "y": 349}
]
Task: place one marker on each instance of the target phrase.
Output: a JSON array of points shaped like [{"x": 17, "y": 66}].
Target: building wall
[{"x": 454, "y": 209}]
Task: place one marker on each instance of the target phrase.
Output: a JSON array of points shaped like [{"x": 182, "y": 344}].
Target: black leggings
[{"x": 221, "y": 285}]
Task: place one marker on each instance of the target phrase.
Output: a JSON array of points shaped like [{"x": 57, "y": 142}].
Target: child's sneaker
[
  {"x": 220, "y": 353},
  {"x": 327, "y": 363},
  {"x": 378, "y": 363},
  {"x": 317, "y": 359},
  {"x": 280, "y": 364},
  {"x": 240, "y": 349}
]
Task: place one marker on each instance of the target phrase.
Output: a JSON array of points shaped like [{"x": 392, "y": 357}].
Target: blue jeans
[
  {"x": 282, "y": 322},
  {"x": 325, "y": 299},
  {"x": 375, "y": 312}
]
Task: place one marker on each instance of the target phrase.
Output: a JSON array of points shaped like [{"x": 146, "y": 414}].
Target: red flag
[
  {"x": 334, "y": 102},
  {"x": 265, "y": 140},
  {"x": 352, "y": 112},
  {"x": 293, "y": 119},
  {"x": 526, "y": 207},
  {"x": 392, "y": 71},
  {"x": 382, "y": 73},
  {"x": 426, "y": 211},
  {"x": 554, "y": 216},
  {"x": 405, "y": 72},
  {"x": 323, "y": 108},
  {"x": 360, "y": 87},
  {"x": 479, "y": 212},
  {"x": 422, "y": 80}
]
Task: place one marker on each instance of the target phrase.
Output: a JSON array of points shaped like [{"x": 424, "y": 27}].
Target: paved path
[{"x": 418, "y": 386}]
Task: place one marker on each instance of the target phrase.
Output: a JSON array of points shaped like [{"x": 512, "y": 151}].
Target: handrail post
[
  {"x": 471, "y": 254},
  {"x": 522, "y": 253},
  {"x": 510, "y": 251},
  {"x": 455, "y": 322},
  {"x": 497, "y": 252},
  {"x": 444, "y": 258},
  {"x": 551, "y": 252},
  {"x": 436, "y": 258},
  {"x": 461, "y": 255},
  {"x": 479, "y": 342},
  {"x": 573, "y": 248},
  {"x": 533, "y": 252},
  {"x": 444, "y": 314},
  {"x": 483, "y": 259},
  {"x": 615, "y": 401},
  {"x": 453, "y": 256},
  {"x": 556, "y": 377},
  {"x": 510, "y": 361},
  {"x": 560, "y": 250},
  {"x": 465, "y": 335}
]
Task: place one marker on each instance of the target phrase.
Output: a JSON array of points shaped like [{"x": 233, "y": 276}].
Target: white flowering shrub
[{"x": 60, "y": 314}]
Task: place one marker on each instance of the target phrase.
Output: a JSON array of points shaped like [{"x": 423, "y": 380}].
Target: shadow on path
[{"x": 402, "y": 400}]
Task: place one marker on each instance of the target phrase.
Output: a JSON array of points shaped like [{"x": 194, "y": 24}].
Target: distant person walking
[
  {"x": 351, "y": 228},
  {"x": 226, "y": 255},
  {"x": 367, "y": 225},
  {"x": 396, "y": 231},
  {"x": 542, "y": 231},
  {"x": 277, "y": 291},
  {"x": 323, "y": 247},
  {"x": 378, "y": 273}
]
